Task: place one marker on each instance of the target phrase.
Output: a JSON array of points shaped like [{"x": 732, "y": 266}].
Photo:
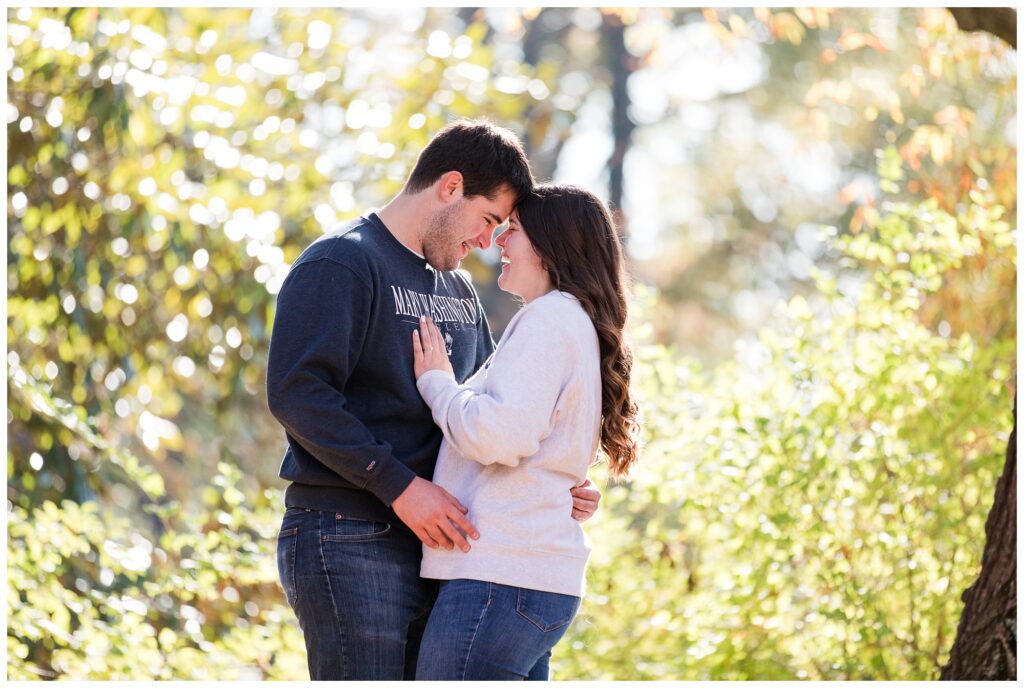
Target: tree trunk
[
  {"x": 986, "y": 639},
  {"x": 621, "y": 64},
  {"x": 548, "y": 28}
]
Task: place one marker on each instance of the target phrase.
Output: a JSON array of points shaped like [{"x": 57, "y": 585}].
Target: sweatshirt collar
[{"x": 390, "y": 238}]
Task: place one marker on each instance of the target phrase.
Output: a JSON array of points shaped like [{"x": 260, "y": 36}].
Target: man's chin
[{"x": 448, "y": 264}]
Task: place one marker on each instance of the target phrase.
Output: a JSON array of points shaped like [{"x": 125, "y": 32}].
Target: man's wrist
[{"x": 394, "y": 478}]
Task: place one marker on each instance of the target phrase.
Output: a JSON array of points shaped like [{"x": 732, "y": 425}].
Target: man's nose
[{"x": 483, "y": 240}]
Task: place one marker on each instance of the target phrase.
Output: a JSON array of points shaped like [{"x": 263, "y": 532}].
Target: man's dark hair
[{"x": 489, "y": 158}]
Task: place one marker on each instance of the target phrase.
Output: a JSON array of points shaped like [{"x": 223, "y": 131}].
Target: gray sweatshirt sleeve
[{"x": 508, "y": 419}]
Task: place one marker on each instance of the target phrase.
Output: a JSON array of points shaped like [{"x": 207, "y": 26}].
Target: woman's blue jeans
[
  {"x": 487, "y": 631},
  {"x": 356, "y": 589}
]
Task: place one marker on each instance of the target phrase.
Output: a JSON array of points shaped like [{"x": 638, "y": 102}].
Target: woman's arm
[{"x": 509, "y": 418}]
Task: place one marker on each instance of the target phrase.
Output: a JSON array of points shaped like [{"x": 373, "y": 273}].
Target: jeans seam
[
  {"x": 520, "y": 604},
  {"x": 294, "y": 576},
  {"x": 363, "y": 537},
  {"x": 479, "y": 622},
  {"x": 548, "y": 628},
  {"x": 334, "y": 605}
]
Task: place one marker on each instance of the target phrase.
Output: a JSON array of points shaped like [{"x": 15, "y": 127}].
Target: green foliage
[
  {"x": 164, "y": 169},
  {"x": 742, "y": 181},
  {"x": 93, "y": 595},
  {"x": 812, "y": 508},
  {"x": 816, "y": 507}
]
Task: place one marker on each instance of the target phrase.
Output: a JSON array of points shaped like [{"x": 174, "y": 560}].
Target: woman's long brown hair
[{"x": 572, "y": 232}]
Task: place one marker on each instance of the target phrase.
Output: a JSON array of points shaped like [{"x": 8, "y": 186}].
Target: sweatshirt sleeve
[
  {"x": 316, "y": 341},
  {"x": 508, "y": 419}
]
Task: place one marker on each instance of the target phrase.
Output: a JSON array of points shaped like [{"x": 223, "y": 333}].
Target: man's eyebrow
[{"x": 497, "y": 220}]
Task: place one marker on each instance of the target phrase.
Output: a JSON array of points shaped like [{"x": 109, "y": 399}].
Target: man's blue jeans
[
  {"x": 356, "y": 590},
  {"x": 487, "y": 631}
]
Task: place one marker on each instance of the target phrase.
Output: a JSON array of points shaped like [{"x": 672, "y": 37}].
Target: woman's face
[{"x": 521, "y": 270}]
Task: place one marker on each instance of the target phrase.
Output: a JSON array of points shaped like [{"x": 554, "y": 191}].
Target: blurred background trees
[{"x": 818, "y": 206}]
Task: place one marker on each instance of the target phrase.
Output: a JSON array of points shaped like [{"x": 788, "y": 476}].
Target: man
[{"x": 361, "y": 441}]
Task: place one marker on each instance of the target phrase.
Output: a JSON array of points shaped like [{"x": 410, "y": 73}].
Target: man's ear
[{"x": 450, "y": 186}]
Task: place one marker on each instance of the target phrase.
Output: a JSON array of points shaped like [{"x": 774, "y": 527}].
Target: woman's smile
[{"x": 531, "y": 279}]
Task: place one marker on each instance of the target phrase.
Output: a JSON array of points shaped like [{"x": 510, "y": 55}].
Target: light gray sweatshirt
[{"x": 518, "y": 435}]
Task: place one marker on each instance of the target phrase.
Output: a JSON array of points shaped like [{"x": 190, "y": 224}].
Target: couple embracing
[{"x": 438, "y": 480}]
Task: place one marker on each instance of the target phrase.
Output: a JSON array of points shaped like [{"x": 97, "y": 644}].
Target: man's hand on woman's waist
[
  {"x": 584, "y": 500},
  {"x": 436, "y": 517}
]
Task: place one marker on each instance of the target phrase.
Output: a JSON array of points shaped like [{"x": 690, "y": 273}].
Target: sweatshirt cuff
[
  {"x": 432, "y": 383},
  {"x": 391, "y": 481}
]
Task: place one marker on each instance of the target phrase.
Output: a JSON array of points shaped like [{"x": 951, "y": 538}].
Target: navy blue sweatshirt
[{"x": 340, "y": 377}]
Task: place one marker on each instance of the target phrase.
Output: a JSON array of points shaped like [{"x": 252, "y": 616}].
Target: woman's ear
[{"x": 552, "y": 275}]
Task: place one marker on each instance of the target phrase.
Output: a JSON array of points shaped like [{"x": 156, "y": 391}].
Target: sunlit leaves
[
  {"x": 811, "y": 509},
  {"x": 816, "y": 482},
  {"x": 93, "y": 596},
  {"x": 165, "y": 167},
  {"x": 815, "y": 508}
]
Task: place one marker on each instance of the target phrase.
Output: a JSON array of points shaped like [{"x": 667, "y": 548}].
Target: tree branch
[{"x": 998, "y": 21}]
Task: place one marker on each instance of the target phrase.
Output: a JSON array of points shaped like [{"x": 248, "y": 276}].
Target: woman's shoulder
[{"x": 561, "y": 304}]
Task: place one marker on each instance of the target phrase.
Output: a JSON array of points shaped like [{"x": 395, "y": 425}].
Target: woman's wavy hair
[{"x": 573, "y": 233}]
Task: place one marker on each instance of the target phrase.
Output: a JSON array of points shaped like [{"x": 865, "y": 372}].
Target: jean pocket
[
  {"x": 298, "y": 517},
  {"x": 548, "y": 611},
  {"x": 287, "y": 543},
  {"x": 348, "y": 529}
]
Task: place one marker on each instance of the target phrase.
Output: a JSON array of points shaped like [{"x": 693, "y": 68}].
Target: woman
[{"x": 522, "y": 431}]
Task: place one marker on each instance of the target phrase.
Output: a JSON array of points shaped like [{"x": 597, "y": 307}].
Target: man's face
[{"x": 463, "y": 225}]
